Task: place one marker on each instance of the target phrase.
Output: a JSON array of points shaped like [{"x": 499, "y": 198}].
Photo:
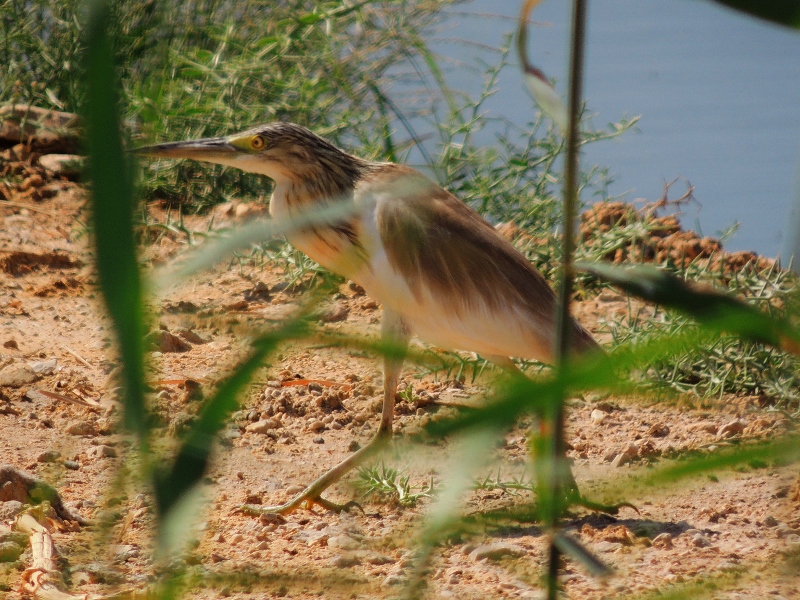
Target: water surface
[{"x": 718, "y": 94}]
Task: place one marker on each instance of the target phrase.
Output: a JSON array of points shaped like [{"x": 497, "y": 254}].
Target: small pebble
[
  {"x": 102, "y": 452},
  {"x": 497, "y": 551},
  {"x": 10, "y": 509},
  {"x": 49, "y": 456},
  {"x": 71, "y": 465},
  {"x": 17, "y": 375},
  {"x": 10, "y": 551},
  {"x": 80, "y": 428},
  {"x": 607, "y": 546},
  {"x": 700, "y": 541},
  {"x": 263, "y": 426},
  {"x": 598, "y": 416},
  {"x": 316, "y": 425},
  {"x": 658, "y": 430},
  {"x": 663, "y": 540},
  {"x": 732, "y": 428},
  {"x": 343, "y": 542},
  {"x": 343, "y": 562}
]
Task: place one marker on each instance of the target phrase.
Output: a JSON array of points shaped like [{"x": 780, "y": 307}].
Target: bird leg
[
  {"x": 569, "y": 486},
  {"x": 396, "y": 334}
]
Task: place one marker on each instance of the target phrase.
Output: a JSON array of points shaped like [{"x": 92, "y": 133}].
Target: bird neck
[{"x": 328, "y": 174}]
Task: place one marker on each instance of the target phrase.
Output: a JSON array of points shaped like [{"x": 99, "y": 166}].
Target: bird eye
[{"x": 257, "y": 142}]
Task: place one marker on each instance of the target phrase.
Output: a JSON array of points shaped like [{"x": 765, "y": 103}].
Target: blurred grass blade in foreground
[
  {"x": 708, "y": 306},
  {"x": 112, "y": 208},
  {"x": 247, "y": 235}
]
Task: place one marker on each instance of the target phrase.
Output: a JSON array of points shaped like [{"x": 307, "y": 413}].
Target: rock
[
  {"x": 44, "y": 367},
  {"x": 497, "y": 551},
  {"x": 10, "y": 551},
  {"x": 707, "y": 426},
  {"x": 663, "y": 540},
  {"x": 259, "y": 292},
  {"x": 337, "y": 311},
  {"x": 610, "y": 454},
  {"x": 598, "y": 416},
  {"x": 50, "y": 456},
  {"x": 71, "y": 465},
  {"x": 125, "y": 552},
  {"x": 793, "y": 541},
  {"x": 343, "y": 542},
  {"x": 700, "y": 541},
  {"x": 70, "y": 166},
  {"x": 624, "y": 457},
  {"x": 732, "y": 428},
  {"x": 345, "y": 561},
  {"x": 10, "y": 509},
  {"x": 606, "y": 546},
  {"x": 80, "y": 428},
  {"x": 102, "y": 452},
  {"x": 316, "y": 426},
  {"x": 16, "y": 375},
  {"x": 190, "y": 336},
  {"x": 658, "y": 430},
  {"x": 164, "y": 341},
  {"x": 393, "y": 580},
  {"x": 263, "y": 426},
  {"x": 771, "y": 521}
]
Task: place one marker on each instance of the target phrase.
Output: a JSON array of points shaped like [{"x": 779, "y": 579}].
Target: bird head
[{"x": 281, "y": 151}]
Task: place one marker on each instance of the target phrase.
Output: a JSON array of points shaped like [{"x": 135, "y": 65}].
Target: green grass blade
[
  {"x": 709, "y": 307},
  {"x": 784, "y": 450},
  {"x": 571, "y": 547},
  {"x": 245, "y": 236},
  {"x": 112, "y": 207}
]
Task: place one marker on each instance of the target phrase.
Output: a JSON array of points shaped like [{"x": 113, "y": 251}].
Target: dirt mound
[{"x": 640, "y": 235}]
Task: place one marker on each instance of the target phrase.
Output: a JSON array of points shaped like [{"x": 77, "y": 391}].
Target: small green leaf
[{"x": 112, "y": 210}]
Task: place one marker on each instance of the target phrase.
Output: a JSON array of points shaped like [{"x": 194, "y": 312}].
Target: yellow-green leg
[{"x": 396, "y": 334}]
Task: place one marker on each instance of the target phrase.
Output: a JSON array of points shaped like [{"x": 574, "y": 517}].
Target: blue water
[{"x": 718, "y": 94}]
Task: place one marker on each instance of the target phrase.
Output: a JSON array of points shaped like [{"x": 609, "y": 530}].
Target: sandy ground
[{"x": 734, "y": 534}]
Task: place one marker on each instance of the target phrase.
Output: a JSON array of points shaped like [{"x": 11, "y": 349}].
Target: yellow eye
[{"x": 257, "y": 143}]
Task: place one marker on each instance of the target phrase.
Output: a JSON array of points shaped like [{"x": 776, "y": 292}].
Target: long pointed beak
[{"x": 206, "y": 150}]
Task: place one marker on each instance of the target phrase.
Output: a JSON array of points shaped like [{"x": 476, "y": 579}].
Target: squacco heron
[{"x": 439, "y": 269}]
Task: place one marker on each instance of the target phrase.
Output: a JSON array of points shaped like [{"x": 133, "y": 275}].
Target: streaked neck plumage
[{"x": 313, "y": 172}]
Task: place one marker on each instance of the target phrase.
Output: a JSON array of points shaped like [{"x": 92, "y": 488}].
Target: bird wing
[{"x": 457, "y": 265}]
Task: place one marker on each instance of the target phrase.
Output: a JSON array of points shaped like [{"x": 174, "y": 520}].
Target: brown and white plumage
[{"x": 438, "y": 268}]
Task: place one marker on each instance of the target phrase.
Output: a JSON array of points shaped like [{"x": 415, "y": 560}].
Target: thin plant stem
[{"x": 571, "y": 174}]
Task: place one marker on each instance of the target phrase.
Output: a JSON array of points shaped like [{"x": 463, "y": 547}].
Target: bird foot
[
  {"x": 301, "y": 501},
  {"x": 576, "y": 499}
]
